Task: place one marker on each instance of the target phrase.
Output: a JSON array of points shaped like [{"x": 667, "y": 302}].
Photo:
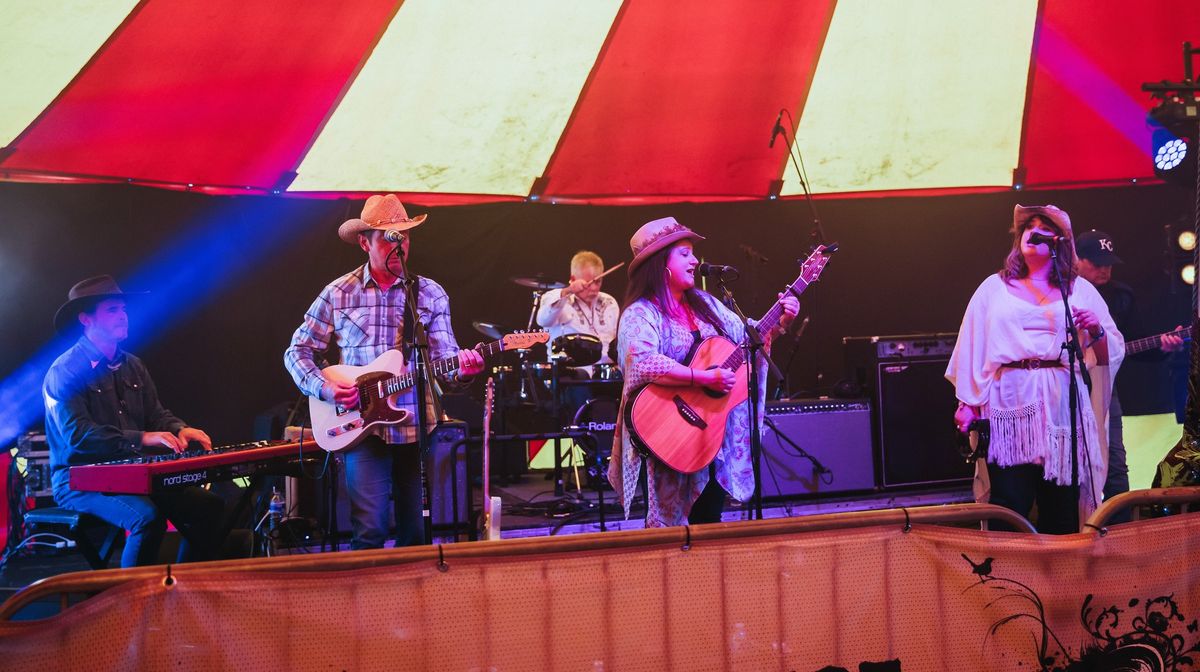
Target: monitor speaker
[
  {"x": 912, "y": 407},
  {"x": 817, "y": 446}
]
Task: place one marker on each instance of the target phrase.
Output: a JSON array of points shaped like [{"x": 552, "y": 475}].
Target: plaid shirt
[{"x": 362, "y": 318}]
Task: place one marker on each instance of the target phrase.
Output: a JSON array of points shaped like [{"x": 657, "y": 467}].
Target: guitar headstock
[
  {"x": 523, "y": 340},
  {"x": 489, "y": 394},
  {"x": 811, "y": 269}
]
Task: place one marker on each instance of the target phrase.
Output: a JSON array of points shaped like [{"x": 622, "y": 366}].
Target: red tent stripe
[
  {"x": 1085, "y": 121},
  {"x": 683, "y": 97},
  {"x": 219, "y": 92}
]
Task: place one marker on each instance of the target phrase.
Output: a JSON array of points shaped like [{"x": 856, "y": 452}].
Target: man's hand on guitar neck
[
  {"x": 1171, "y": 342},
  {"x": 470, "y": 362}
]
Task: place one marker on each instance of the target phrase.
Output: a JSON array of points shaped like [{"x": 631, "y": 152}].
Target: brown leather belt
[{"x": 1030, "y": 364}]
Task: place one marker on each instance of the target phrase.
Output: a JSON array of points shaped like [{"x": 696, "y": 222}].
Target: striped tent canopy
[{"x": 600, "y": 101}]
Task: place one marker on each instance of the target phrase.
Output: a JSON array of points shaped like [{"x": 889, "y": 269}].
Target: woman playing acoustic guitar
[{"x": 665, "y": 319}]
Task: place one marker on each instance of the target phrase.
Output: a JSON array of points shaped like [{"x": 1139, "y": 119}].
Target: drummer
[{"x": 580, "y": 307}]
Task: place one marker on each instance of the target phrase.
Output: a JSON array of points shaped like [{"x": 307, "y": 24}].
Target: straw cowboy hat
[
  {"x": 83, "y": 295},
  {"x": 383, "y": 213},
  {"x": 656, "y": 235},
  {"x": 1021, "y": 213}
]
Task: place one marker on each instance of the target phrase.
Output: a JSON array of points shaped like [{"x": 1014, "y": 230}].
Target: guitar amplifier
[
  {"x": 445, "y": 471},
  {"x": 817, "y": 446},
  {"x": 912, "y": 404}
]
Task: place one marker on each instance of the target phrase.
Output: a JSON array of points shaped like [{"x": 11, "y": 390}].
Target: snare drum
[
  {"x": 606, "y": 372},
  {"x": 577, "y": 349}
]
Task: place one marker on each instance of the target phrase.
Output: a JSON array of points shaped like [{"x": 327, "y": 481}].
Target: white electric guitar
[{"x": 379, "y": 385}]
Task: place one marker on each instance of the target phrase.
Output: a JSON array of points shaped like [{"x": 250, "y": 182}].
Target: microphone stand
[
  {"x": 781, "y": 388},
  {"x": 421, "y": 366},
  {"x": 817, "y": 234},
  {"x": 754, "y": 345},
  {"x": 1074, "y": 357}
]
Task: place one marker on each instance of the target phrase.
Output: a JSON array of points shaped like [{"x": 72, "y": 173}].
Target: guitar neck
[
  {"x": 1139, "y": 345},
  {"x": 769, "y": 321},
  {"x": 439, "y": 367}
]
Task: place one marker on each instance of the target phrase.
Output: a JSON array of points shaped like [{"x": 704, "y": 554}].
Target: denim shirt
[{"x": 97, "y": 409}]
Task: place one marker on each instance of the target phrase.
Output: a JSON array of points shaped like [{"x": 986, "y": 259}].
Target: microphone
[
  {"x": 715, "y": 270},
  {"x": 777, "y": 130},
  {"x": 1038, "y": 238},
  {"x": 393, "y": 236}
]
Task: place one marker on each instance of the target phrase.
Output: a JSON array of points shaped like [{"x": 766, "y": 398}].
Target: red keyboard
[{"x": 158, "y": 473}]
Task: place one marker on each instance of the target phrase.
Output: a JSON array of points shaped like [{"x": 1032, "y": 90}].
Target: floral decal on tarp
[{"x": 1146, "y": 635}]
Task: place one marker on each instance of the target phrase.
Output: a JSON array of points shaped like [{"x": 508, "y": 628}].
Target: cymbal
[
  {"x": 491, "y": 330},
  {"x": 539, "y": 282}
]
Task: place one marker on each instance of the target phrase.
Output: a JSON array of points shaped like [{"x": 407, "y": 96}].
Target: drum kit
[{"x": 568, "y": 388}]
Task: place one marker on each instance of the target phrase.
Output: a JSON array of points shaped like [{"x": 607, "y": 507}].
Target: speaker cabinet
[
  {"x": 817, "y": 446},
  {"x": 445, "y": 471},
  {"x": 912, "y": 407}
]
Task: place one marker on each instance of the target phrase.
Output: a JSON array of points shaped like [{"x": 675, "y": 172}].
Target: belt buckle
[{"x": 1034, "y": 364}]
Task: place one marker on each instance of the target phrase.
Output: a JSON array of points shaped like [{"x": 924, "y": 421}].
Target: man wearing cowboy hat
[
  {"x": 364, "y": 312},
  {"x": 101, "y": 405}
]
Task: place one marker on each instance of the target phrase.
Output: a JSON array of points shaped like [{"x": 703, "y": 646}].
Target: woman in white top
[{"x": 1009, "y": 368}]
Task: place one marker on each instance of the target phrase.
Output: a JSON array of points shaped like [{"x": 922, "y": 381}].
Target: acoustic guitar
[{"x": 685, "y": 426}]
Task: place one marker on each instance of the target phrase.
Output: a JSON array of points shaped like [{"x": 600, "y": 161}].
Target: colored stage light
[
  {"x": 1170, "y": 154},
  {"x": 1188, "y": 274},
  {"x": 1187, "y": 240}
]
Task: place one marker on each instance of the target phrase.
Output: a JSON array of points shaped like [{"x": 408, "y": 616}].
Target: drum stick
[{"x": 610, "y": 270}]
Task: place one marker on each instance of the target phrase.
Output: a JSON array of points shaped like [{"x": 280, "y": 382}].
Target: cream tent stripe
[
  {"x": 461, "y": 97},
  {"x": 43, "y": 45},
  {"x": 913, "y": 94}
]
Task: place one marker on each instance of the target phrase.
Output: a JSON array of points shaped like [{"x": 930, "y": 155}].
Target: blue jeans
[
  {"x": 197, "y": 513},
  {"x": 383, "y": 480}
]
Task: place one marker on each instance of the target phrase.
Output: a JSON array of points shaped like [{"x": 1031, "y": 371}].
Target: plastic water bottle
[{"x": 275, "y": 509}]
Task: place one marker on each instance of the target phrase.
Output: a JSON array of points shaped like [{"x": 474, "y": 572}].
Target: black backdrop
[{"x": 907, "y": 265}]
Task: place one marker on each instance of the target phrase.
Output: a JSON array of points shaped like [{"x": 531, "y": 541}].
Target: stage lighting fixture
[
  {"x": 1187, "y": 240},
  {"x": 1174, "y": 149},
  {"x": 1170, "y": 154},
  {"x": 1188, "y": 274}
]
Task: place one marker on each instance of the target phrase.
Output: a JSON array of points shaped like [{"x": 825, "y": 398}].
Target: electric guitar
[
  {"x": 1151, "y": 342},
  {"x": 490, "y": 521},
  {"x": 379, "y": 383},
  {"x": 685, "y": 426}
]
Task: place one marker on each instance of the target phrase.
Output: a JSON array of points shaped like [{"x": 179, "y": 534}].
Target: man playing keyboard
[{"x": 101, "y": 405}]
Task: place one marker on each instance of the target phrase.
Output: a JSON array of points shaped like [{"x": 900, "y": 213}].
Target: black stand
[
  {"x": 817, "y": 237},
  {"x": 1074, "y": 357},
  {"x": 753, "y": 345},
  {"x": 421, "y": 366}
]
